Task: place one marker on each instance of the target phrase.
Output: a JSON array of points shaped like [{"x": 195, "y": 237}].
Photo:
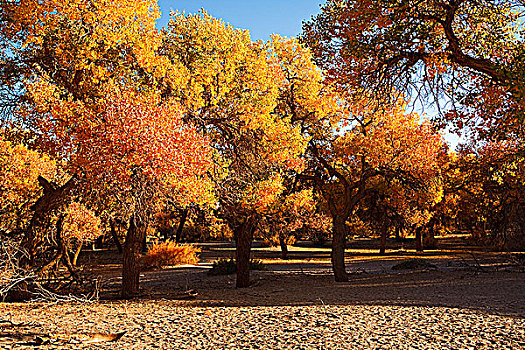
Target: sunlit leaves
[
  {"x": 232, "y": 93},
  {"x": 461, "y": 55},
  {"x": 81, "y": 225},
  {"x": 19, "y": 189}
]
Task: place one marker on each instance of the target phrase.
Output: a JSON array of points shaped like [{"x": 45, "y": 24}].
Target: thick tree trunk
[
  {"x": 398, "y": 233},
  {"x": 115, "y": 236},
  {"x": 338, "y": 249},
  {"x": 419, "y": 239},
  {"x": 131, "y": 258},
  {"x": 244, "y": 237},
  {"x": 99, "y": 242},
  {"x": 284, "y": 247},
  {"x": 183, "y": 217}
]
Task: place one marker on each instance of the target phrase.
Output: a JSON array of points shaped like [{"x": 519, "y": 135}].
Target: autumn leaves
[{"x": 199, "y": 114}]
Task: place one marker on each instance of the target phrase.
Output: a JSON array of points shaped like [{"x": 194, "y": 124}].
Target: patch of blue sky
[{"x": 261, "y": 18}]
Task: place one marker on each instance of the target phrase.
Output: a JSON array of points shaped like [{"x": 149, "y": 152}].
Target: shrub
[
  {"x": 229, "y": 266},
  {"x": 257, "y": 265},
  {"x": 223, "y": 267},
  {"x": 414, "y": 264},
  {"x": 170, "y": 253}
]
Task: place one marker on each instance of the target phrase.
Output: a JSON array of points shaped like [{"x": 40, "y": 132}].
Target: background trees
[{"x": 201, "y": 121}]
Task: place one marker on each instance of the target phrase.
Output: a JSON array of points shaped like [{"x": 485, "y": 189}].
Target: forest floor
[{"x": 471, "y": 299}]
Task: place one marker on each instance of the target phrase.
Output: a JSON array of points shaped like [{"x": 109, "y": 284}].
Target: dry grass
[{"x": 170, "y": 254}]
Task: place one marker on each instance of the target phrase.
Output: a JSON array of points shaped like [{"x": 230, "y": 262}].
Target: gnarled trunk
[
  {"x": 338, "y": 249},
  {"x": 52, "y": 198},
  {"x": 243, "y": 239},
  {"x": 131, "y": 258}
]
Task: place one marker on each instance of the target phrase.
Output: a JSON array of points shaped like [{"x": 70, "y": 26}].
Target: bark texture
[
  {"x": 180, "y": 227},
  {"x": 284, "y": 247},
  {"x": 131, "y": 258},
  {"x": 53, "y": 197}
]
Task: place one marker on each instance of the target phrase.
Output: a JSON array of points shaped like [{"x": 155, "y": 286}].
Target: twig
[{"x": 327, "y": 313}]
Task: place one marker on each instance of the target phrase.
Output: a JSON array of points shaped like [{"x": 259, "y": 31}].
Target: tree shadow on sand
[{"x": 492, "y": 292}]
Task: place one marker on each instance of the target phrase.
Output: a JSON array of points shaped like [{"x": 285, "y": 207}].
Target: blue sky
[{"x": 261, "y": 18}]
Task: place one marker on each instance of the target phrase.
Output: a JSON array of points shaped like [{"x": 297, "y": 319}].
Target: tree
[
  {"x": 230, "y": 93},
  {"x": 86, "y": 69},
  {"x": 465, "y": 56},
  {"x": 142, "y": 149},
  {"x": 136, "y": 149},
  {"x": 389, "y": 147}
]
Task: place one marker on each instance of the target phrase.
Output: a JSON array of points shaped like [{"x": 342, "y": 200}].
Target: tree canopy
[{"x": 463, "y": 56}]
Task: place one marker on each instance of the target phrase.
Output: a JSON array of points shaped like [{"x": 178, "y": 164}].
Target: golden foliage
[{"x": 19, "y": 189}]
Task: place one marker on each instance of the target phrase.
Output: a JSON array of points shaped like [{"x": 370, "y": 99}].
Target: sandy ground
[{"x": 470, "y": 301}]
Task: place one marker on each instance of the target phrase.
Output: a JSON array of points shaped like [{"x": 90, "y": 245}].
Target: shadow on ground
[
  {"x": 463, "y": 278},
  {"x": 491, "y": 292}
]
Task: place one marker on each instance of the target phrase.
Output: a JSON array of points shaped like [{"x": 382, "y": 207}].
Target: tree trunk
[
  {"x": 100, "y": 241},
  {"x": 382, "y": 244},
  {"x": 419, "y": 239},
  {"x": 75, "y": 257},
  {"x": 62, "y": 248},
  {"x": 284, "y": 247},
  {"x": 244, "y": 237},
  {"x": 53, "y": 197},
  {"x": 398, "y": 233},
  {"x": 131, "y": 258},
  {"x": 429, "y": 239},
  {"x": 114, "y": 235},
  {"x": 338, "y": 249},
  {"x": 183, "y": 217}
]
